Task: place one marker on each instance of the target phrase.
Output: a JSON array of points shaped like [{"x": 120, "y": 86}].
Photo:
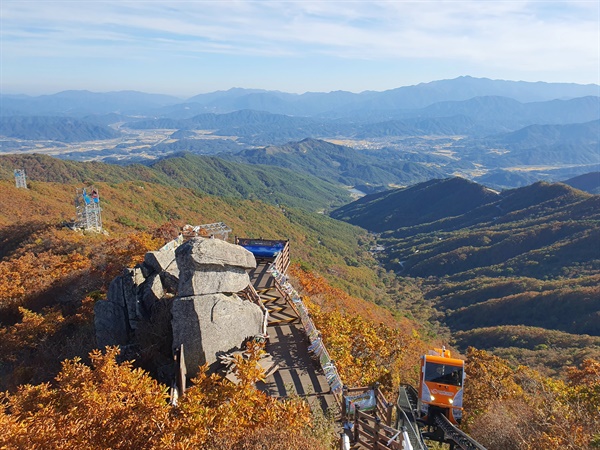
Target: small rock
[{"x": 159, "y": 260}]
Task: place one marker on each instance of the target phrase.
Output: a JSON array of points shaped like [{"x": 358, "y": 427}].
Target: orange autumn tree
[
  {"x": 362, "y": 340},
  {"x": 108, "y": 405},
  {"x": 112, "y": 405}
]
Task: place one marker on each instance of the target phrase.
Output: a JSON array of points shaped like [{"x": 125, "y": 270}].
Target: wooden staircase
[{"x": 298, "y": 373}]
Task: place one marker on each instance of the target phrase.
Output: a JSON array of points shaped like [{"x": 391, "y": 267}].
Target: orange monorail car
[{"x": 441, "y": 386}]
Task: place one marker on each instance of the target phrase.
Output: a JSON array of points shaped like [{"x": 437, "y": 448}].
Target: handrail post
[
  {"x": 376, "y": 433},
  {"x": 389, "y": 412},
  {"x": 344, "y": 395},
  {"x": 356, "y": 423}
]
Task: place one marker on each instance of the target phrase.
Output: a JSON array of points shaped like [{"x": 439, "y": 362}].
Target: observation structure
[
  {"x": 217, "y": 230},
  {"x": 20, "y": 180},
  {"x": 87, "y": 204}
]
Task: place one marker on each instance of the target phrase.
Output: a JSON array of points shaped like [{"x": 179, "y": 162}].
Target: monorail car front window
[{"x": 445, "y": 374}]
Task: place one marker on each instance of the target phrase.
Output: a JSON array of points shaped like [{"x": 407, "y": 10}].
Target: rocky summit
[{"x": 198, "y": 282}]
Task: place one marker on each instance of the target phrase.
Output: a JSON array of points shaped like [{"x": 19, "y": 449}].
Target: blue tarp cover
[{"x": 264, "y": 251}]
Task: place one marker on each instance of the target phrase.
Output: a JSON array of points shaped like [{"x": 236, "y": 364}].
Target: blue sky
[{"x": 185, "y": 48}]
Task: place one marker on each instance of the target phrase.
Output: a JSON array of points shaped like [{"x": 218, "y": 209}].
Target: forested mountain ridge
[
  {"x": 62, "y": 129},
  {"x": 418, "y": 204},
  {"x": 524, "y": 257},
  {"x": 207, "y": 174},
  {"x": 338, "y": 163}
]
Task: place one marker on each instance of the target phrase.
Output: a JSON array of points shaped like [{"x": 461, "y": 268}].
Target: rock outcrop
[{"x": 198, "y": 281}]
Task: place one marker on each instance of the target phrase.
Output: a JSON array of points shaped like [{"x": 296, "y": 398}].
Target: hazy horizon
[
  {"x": 16, "y": 94},
  {"x": 193, "y": 47}
]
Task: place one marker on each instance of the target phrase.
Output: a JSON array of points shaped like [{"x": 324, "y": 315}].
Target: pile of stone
[{"x": 200, "y": 280}]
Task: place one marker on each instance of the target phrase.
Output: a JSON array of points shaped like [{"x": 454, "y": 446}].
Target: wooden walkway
[{"x": 298, "y": 373}]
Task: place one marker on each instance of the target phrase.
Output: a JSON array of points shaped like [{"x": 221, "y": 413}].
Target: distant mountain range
[
  {"x": 504, "y": 134},
  {"x": 333, "y": 104},
  {"x": 62, "y": 129},
  {"x": 345, "y": 104},
  {"x": 82, "y": 103},
  {"x": 478, "y": 117}
]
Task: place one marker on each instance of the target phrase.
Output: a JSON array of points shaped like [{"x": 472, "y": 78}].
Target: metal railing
[{"x": 371, "y": 433}]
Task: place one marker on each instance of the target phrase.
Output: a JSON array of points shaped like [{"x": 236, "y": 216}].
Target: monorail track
[{"x": 453, "y": 434}]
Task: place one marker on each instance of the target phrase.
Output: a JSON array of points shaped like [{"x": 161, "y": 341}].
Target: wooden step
[{"x": 273, "y": 322}]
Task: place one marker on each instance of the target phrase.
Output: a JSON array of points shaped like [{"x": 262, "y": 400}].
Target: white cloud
[{"x": 520, "y": 35}]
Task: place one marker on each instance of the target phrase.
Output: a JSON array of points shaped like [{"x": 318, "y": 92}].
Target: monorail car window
[{"x": 442, "y": 373}]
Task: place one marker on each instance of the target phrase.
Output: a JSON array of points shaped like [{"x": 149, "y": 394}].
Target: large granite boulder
[
  {"x": 208, "y": 266},
  {"x": 208, "y": 325},
  {"x": 198, "y": 252},
  {"x": 207, "y": 316}
]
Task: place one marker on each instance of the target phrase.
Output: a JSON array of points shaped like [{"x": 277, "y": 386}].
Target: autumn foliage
[
  {"x": 46, "y": 311},
  {"x": 365, "y": 348},
  {"x": 112, "y": 405},
  {"x": 51, "y": 277},
  {"x": 520, "y": 408}
]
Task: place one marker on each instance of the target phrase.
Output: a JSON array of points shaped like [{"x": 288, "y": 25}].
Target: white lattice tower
[
  {"x": 20, "y": 180},
  {"x": 87, "y": 205}
]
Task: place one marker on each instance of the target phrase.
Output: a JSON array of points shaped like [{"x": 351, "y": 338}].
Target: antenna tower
[
  {"x": 20, "y": 180},
  {"x": 87, "y": 204}
]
